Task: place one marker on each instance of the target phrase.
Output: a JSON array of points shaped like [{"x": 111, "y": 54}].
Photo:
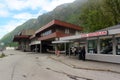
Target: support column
[
  {"x": 69, "y": 49},
  {"x": 114, "y": 44},
  {"x": 41, "y": 48},
  {"x": 98, "y": 45},
  {"x": 36, "y": 48},
  {"x": 65, "y": 48},
  {"x": 86, "y": 46},
  {"x": 56, "y": 48}
]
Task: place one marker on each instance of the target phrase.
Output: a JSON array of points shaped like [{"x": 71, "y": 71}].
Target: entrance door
[{"x": 46, "y": 45}]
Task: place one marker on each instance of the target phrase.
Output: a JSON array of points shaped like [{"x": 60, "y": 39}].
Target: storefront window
[
  {"x": 118, "y": 46},
  {"x": 92, "y": 46},
  {"x": 106, "y": 46},
  {"x": 61, "y": 47}
]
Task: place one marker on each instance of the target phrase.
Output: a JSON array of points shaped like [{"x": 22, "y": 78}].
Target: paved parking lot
[{"x": 19, "y": 65}]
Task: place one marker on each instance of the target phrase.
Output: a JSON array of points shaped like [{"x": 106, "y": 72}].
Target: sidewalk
[{"x": 73, "y": 61}]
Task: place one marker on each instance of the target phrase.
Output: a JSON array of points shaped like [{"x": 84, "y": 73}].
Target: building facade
[
  {"x": 23, "y": 39},
  {"x": 102, "y": 45},
  {"x": 53, "y": 31}
]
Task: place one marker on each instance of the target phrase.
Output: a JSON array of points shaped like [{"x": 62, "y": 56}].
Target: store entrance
[
  {"x": 35, "y": 48},
  {"x": 46, "y": 45}
]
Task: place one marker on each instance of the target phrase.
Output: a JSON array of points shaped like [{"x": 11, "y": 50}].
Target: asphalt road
[{"x": 31, "y": 66}]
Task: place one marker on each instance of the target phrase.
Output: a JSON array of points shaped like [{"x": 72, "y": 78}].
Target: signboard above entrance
[
  {"x": 94, "y": 34},
  {"x": 100, "y": 33}
]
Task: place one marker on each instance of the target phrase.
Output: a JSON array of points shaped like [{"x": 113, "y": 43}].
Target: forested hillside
[
  {"x": 9, "y": 37},
  {"x": 98, "y": 14},
  {"x": 91, "y": 14}
]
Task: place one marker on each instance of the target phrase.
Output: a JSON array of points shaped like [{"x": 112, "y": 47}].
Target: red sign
[{"x": 101, "y": 33}]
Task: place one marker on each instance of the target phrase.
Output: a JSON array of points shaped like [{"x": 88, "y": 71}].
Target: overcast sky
[{"x": 15, "y": 12}]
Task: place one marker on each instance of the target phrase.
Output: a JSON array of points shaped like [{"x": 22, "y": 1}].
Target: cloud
[
  {"x": 9, "y": 27},
  {"x": 3, "y": 12},
  {"x": 55, "y": 3},
  {"x": 16, "y": 10},
  {"x": 24, "y": 4},
  {"x": 24, "y": 16},
  {"x": 35, "y": 4},
  {"x": 2, "y": 6},
  {"x": 46, "y": 5},
  {"x": 15, "y": 4}
]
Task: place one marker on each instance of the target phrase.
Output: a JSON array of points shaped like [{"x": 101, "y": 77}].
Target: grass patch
[{"x": 2, "y": 55}]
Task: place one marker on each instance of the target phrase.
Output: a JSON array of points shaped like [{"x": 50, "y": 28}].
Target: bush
[{"x": 2, "y": 55}]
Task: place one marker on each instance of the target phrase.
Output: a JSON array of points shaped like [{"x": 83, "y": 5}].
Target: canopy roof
[
  {"x": 60, "y": 42},
  {"x": 60, "y": 23},
  {"x": 21, "y": 37}
]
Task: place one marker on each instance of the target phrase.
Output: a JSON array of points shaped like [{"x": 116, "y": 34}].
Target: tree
[
  {"x": 112, "y": 7},
  {"x": 98, "y": 14}
]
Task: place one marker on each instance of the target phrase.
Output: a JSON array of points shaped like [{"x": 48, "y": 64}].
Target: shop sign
[{"x": 101, "y": 33}]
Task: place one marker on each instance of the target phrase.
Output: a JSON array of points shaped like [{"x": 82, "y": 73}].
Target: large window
[
  {"x": 46, "y": 33},
  {"x": 106, "y": 46},
  {"x": 118, "y": 46},
  {"x": 92, "y": 46},
  {"x": 67, "y": 31}
]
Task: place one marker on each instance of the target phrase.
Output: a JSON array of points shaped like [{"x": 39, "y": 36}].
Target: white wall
[
  {"x": 8, "y": 48},
  {"x": 104, "y": 57}
]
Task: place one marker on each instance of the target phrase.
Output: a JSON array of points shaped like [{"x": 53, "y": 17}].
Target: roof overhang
[
  {"x": 33, "y": 36},
  {"x": 35, "y": 42},
  {"x": 94, "y": 34},
  {"x": 55, "y": 42},
  {"x": 59, "y": 23},
  {"x": 20, "y": 37},
  {"x": 53, "y": 35},
  {"x": 114, "y": 31},
  {"x": 71, "y": 37}
]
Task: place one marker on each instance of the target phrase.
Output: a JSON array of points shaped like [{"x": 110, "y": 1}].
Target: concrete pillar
[
  {"x": 22, "y": 45},
  {"x": 69, "y": 48},
  {"x": 41, "y": 47},
  {"x": 114, "y": 44},
  {"x": 56, "y": 48},
  {"x": 98, "y": 45},
  {"x": 65, "y": 47},
  {"x": 36, "y": 48},
  {"x": 86, "y": 46}
]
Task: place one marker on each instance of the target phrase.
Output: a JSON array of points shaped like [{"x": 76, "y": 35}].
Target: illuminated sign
[{"x": 101, "y": 33}]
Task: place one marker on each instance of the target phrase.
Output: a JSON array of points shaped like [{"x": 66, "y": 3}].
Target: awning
[
  {"x": 35, "y": 42},
  {"x": 114, "y": 31},
  {"x": 55, "y": 42},
  {"x": 71, "y": 37},
  {"x": 85, "y": 35},
  {"x": 17, "y": 38}
]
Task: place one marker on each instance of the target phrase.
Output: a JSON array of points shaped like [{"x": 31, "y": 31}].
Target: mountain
[
  {"x": 67, "y": 12},
  {"x": 9, "y": 37}
]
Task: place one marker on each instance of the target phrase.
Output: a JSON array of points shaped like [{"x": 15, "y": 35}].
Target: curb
[{"x": 76, "y": 67}]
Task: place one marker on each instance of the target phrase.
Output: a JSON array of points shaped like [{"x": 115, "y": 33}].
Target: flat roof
[
  {"x": 19, "y": 37},
  {"x": 110, "y": 28},
  {"x": 35, "y": 42},
  {"x": 55, "y": 42},
  {"x": 33, "y": 36},
  {"x": 103, "y": 32},
  {"x": 53, "y": 35},
  {"x": 60, "y": 23},
  {"x": 85, "y": 35}
]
